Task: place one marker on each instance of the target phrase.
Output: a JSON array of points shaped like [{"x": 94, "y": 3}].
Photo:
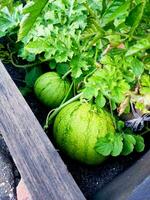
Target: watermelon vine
[{"x": 90, "y": 53}]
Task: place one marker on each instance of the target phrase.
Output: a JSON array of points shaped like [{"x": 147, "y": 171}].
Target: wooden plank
[
  {"x": 141, "y": 192},
  {"x": 39, "y": 164},
  {"x": 130, "y": 185}
]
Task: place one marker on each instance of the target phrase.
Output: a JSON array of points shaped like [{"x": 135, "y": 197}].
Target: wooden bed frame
[{"x": 39, "y": 163}]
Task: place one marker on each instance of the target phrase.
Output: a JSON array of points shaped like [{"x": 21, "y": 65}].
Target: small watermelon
[
  {"x": 77, "y": 128},
  {"x": 51, "y": 89}
]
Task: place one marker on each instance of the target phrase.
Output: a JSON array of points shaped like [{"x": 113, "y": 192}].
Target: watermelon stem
[
  {"x": 26, "y": 65},
  {"x": 54, "y": 112},
  {"x": 66, "y": 74},
  {"x": 147, "y": 130},
  {"x": 88, "y": 75},
  {"x": 67, "y": 93}
]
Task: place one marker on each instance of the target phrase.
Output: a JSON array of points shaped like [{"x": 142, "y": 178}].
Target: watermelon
[
  {"x": 51, "y": 89},
  {"x": 77, "y": 128}
]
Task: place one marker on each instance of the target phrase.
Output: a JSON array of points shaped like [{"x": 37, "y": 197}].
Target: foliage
[
  {"x": 31, "y": 12},
  {"x": 9, "y": 19},
  {"x": 103, "y": 44},
  {"x": 121, "y": 143}
]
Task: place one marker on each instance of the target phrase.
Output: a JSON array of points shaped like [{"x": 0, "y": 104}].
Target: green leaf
[
  {"x": 116, "y": 9},
  {"x": 117, "y": 145},
  {"x": 9, "y": 20},
  {"x": 145, "y": 80},
  {"x": 140, "y": 45},
  {"x": 38, "y": 46},
  {"x": 135, "y": 16},
  {"x": 31, "y": 12},
  {"x": 76, "y": 64},
  {"x": 90, "y": 92},
  {"x": 128, "y": 144},
  {"x": 4, "y": 54},
  {"x": 106, "y": 60},
  {"x": 8, "y": 4},
  {"x": 100, "y": 101},
  {"x": 120, "y": 125},
  {"x": 62, "y": 68},
  {"x": 145, "y": 90},
  {"x": 139, "y": 146},
  {"x": 114, "y": 40},
  {"x": 93, "y": 32},
  {"x": 104, "y": 146},
  {"x": 32, "y": 75},
  {"x": 25, "y": 90},
  {"x": 119, "y": 91},
  {"x": 137, "y": 67},
  {"x": 24, "y": 54},
  {"x": 52, "y": 64}
]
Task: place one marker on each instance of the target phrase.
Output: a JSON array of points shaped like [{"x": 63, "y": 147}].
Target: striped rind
[
  {"x": 76, "y": 129},
  {"x": 50, "y": 89}
]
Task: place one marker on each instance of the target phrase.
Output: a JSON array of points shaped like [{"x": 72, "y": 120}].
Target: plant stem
[
  {"x": 74, "y": 88},
  {"x": 66, "y": 74},
  {"x": 10, "y": 39},
  {"x": 23, "y": 66},
  {"x": 88, "y": 75},
  {"x": 114, "y": 122},
  {"x": 147, "y": 130},
  {"x": 95, "y": 56},
  {"x": 67, "y": 93},
  {"x": 127, "y": 36},
  {"x": 106, "y": 50},
  {"x": 19, "y": 80},
  {"x": 56, "y": 111}
]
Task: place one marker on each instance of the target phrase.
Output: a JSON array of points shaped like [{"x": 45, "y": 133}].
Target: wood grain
[
  {"x": 130, "y": 185},
  {"x": 39, "y": 164}
]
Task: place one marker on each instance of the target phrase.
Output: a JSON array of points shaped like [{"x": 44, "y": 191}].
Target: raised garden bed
[
  {"x": 38, "y": 161},
  {"x": 89, "y": 179}
]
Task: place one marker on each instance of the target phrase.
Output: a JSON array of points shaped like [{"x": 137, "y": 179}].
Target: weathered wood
[
  {"x": 39, "y": 164},
  {"x": 142, "y": 191},
  {"x": 133, "y": 184}
]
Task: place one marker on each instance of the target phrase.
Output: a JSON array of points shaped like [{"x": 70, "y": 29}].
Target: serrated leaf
[
  {"x": 100, "y": 101},
  {"x": 117, "y": 145},
  {"x": 139, "y": 146},
  {"x": 38, "y": 46},
  {"x": 32, "y": 75},
  {"x": 104, "y": 146},
  {"x": 145, "y": 80},
  {"x": 140, "y": 45},
  {"x": 89, "y": 92},
  {"x": 76, "y": 64},
  {"x": 9, "y": 20},
  {"x": 119, "y": 92},
  {"x": 128, "y": 144},
  {"x": 31, "y": 12},
  {"x": 116, "y": 9}
]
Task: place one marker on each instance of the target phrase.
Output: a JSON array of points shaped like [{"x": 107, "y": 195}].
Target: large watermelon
[
  {"x": 77, "y": 128},
  {"x": 51, "y": 89}
]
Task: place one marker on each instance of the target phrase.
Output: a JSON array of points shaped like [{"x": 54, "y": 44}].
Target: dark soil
[{"x": 89, "y": 179}]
